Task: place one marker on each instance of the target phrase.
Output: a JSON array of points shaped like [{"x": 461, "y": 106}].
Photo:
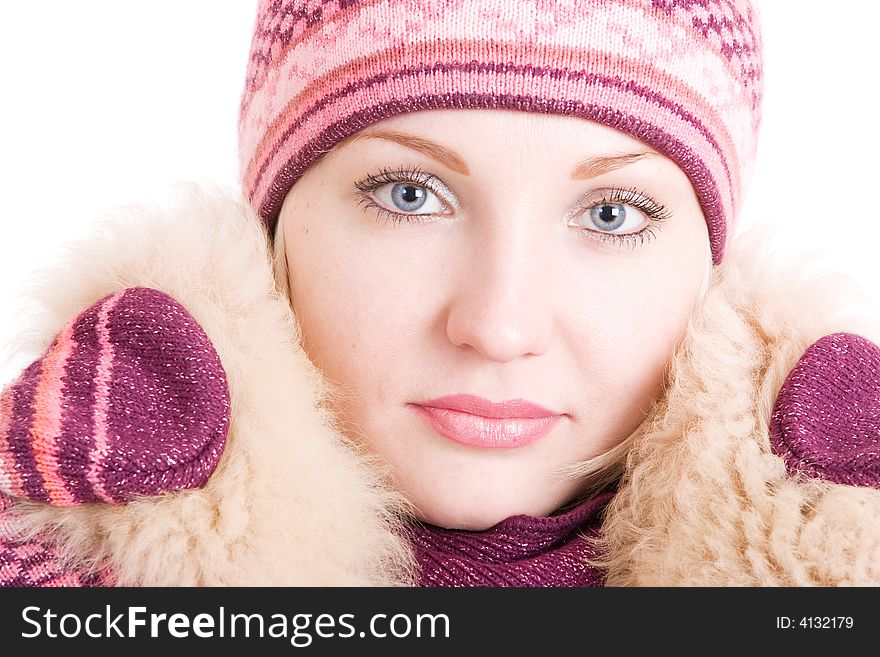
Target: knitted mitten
[
  {"x": 129, "y": 400},
  {"x": 35, "y": 562},
  {"x": 826, "y": 419}
]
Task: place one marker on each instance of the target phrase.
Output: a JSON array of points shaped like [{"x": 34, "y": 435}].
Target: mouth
[{"x": 477, "y": 422}]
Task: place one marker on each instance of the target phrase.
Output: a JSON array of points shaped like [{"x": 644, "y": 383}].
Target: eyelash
[
  {"x": 655, "y": 211},
  {"x": 393, "y": 176}
]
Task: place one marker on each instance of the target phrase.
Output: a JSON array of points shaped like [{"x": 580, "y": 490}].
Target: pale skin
[{"x": 503, "y": 283}]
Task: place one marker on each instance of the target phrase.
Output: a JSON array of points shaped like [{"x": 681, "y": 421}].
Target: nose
[{"x": 502, "y": 305}]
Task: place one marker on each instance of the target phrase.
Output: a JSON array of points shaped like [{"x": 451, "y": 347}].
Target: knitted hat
[{"x": 684, "y": 76}]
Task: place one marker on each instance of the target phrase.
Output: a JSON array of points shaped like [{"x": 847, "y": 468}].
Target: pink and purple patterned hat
[{"x": 684, "y": 76}]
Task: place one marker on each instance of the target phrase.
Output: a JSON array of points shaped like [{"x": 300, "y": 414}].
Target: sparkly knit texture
[
  {"x": 826, "y": 421},
  {"x": 130, "y": 399},
  {"x": 35, "y": 563},
  {"x": 684, "y": 76},
  {"x": 703, "y": 500},
  {"x": 519, "y": 551}
]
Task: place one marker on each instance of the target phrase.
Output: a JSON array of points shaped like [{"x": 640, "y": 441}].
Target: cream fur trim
[
  {"x": 704, "y": 501},
  {"x": 290, "y": 502}
]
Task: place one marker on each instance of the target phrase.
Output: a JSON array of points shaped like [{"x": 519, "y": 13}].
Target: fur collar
[{"x": 703, "y": 500}]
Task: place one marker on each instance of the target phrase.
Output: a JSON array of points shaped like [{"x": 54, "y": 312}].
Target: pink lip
[{"x": 478, "y": 422}]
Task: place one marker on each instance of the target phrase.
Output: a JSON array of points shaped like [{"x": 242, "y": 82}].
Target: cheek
[
  {"x": 653, "y": 334},
  {"x": 351, "y": 309},
  {"x": 628, "y": 344}
]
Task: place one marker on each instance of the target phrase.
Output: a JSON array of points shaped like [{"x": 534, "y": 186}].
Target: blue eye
[
  {"x": 609, "y": 217},
  {"x": 406, "y": 194},
  {"x": 408, "y": 197},
  {"x": 619, "y": 216}
]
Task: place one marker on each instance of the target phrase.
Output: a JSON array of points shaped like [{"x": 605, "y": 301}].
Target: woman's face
[{"x": 499, "y": 260}]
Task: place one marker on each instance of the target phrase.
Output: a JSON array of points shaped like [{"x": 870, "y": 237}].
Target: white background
[{"x": 106, "y": 102}]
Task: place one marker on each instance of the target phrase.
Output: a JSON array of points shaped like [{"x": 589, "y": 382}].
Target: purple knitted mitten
[
  {"x": 826, "y": 420},
  {"x": 35, "y": 562},
  {"x": 129, "y": 400}
]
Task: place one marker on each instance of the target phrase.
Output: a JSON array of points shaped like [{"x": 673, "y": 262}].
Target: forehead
[{"x": 513, "y": 127}]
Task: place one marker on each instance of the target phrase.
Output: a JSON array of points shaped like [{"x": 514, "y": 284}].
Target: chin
[{"x": 464, "y": 514}]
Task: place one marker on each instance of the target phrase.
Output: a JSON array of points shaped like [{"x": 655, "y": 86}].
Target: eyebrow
[
  {"x": 596, "y": 166},
  {"x": 432, "y": 149},
  {"x": 589, "y": 168}
]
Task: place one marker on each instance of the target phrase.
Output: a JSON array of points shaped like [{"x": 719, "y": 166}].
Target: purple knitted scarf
[
  {"x": 519, "y": 551},
  {"x": 131, "y": 400}
]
